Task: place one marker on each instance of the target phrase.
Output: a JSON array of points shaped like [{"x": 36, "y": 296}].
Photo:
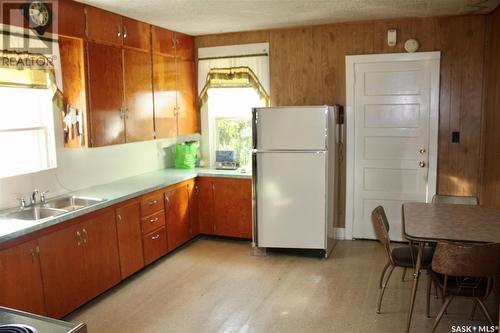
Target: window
[
  {"x": 27, "y": 142},
  {"x": 230, "y": 120}
]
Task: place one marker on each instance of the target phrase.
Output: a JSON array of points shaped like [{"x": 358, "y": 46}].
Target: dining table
[{"x": 431, "y": 223}]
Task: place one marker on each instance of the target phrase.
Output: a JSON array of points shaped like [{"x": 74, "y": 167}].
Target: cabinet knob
[
  {"x": 124, "y": 32},
  {"x": 422, "y": 164},
  {"x": 79, "y": 238},
  {"x": 152, "y": 202},
  {"x": 119, "y": 217},
  {"x": 155, "y": 236},
  {"x": 154, "y": 220},
  {"x": 86, "y": 235},
  {"x": 118, "y": 32}
]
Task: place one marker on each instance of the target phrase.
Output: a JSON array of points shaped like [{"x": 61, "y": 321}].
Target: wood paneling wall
[
  {"x": 491, "y": 170},
  {"x": 308, "y": 68}
]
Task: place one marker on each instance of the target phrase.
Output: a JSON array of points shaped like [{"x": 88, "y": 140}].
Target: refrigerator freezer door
[
  {"x": 291, "y": 195},
  {"x": 293, "y": 128}
]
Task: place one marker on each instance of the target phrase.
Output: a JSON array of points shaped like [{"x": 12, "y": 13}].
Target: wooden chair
[
  {"x": 464, "y": 270},
  {"x": 402, "y": 256},
  {"x": 455, "y": 200}
]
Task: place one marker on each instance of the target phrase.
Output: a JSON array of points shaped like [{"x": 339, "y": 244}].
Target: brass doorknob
[
  {"x": 422, "y": 151},
  {"x": 422, "y": 164}
]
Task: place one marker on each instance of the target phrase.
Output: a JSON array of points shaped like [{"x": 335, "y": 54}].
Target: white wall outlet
[{"x": 392, "y": 37}]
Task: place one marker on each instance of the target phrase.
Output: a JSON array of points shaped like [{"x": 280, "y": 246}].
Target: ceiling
[{"x": 200, "y": 17}]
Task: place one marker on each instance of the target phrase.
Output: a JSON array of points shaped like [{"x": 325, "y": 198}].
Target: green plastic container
[{"x": 185, "y": 155}]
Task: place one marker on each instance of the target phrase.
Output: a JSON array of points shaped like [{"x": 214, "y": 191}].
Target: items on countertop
[{"x": 186, "y": 154}]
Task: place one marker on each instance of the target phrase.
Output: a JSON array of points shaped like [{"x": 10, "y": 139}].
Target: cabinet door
[
  {"x": 138, "y": 95},
  {"x": 21, "y": 279},
  {"x": 136, "y": 34},
  {"x": 177, "y": 217},
  {"x": 205, "y": 206},
  {"x": 193, "y": 209},
  {"x": 128, "y": 225},
  {"x": 233, "y": 207},
  {"x": 70, "y": 18},
  {"x": 164, "y": 84},
  {"x": 184, "y": 46},
  {"x": 101, "y": 254},
  {"x": 163, "y": 41},
  {"x": 63, "y": 270},
  {"x": 104, "y": 26},
  {"x": 105, "y": 98},
  {"x": 187, "y": 119}
]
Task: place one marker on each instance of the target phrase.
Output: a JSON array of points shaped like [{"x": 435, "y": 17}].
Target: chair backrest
[
  {"x": 455, "y": 200},
  {"x": 381, "y": 228},
  {"x": 468, "y": 260}
]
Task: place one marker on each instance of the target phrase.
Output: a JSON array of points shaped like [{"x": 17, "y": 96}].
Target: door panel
[
  {"x": 163, "y": 41},
  {"x": 104, "y": 26},
  {"x": 128, "y": 225},
  {"x": 177, "y": 217},
  {"x": 106, "y": 91},
  {"x": 187, "y": 119},
  {"x": 193, "y": 191},
  {"x": 205, "y": 206},
  {"x": 165, "y": 96},
  {"x": 62, "y": 260},
  {"x": 138, "y": 95},
  {"x": 102, "y": 260},
  {"x": 291, "y": 208},
  {"x": 184, "y": 46},
  {"x": 136, "y": 34},
  {"x": 21, "y": 279},
  {"x": 72, "y": 21},
  {"x": 391, "y": 116}
]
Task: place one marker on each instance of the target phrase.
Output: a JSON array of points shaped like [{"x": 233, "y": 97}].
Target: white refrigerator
[{"x": 295, "y": 177}]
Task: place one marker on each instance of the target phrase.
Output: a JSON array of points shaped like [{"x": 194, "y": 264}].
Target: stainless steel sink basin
[
  {"x": 72, "y": 203},
  {"x": 35, "y": 213}
]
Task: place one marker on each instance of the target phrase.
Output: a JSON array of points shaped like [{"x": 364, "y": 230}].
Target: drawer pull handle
[
  {"x": 153, "y": 220},
  {"x": 152, "y": 202},
  {"x": 155, "y": 237}
]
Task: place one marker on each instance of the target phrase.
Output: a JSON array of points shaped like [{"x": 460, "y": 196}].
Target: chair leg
[
  {"x": 435, "y": 291},
  {"x": 384, "y": 284},
  {"x": 441, "y": 313},
  {"x": 485, "y": 310},
  {"x": 383, "y": 274},
  {"x": 473, "y": 310},
  {"x": 428, "y": 304},
  {"x": 404, "y": 275}
]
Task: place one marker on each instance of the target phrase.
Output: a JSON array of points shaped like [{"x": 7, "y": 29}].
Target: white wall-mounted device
[{"x": 392, "y": 37}]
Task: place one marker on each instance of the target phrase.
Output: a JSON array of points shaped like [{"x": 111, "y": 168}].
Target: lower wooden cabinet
[
  {"x": 225, "y": 207},
  {"x": 155, "y": 245},
  {"x": 78, "y": 263},
  {"x": 177, "y": 216},
  {"x": 193, "y": 193},
  {"x": 128, "y": 227},
  {"x": 20, "y": 278}
]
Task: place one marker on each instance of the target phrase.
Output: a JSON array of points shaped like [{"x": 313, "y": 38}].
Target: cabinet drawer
[
  {"x": 151, "y": 204},
  {"x": 153, "y": 222},
  {"x": 155, "y": 245}
]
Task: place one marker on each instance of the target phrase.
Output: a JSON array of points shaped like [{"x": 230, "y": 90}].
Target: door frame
[{"x": 351, "y": 61}]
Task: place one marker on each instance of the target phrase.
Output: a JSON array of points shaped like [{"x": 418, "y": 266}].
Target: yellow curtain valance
[
  {"x": 234, "y": 77},
  {"x": 26, "y": 70}
]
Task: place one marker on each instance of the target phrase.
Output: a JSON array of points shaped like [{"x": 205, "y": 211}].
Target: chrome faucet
[
  {"x": 33, "y": 196},
  {"x": 42, "y": 196}
]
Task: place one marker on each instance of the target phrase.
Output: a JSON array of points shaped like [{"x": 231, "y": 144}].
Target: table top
[{"x": 461, "y": 223}]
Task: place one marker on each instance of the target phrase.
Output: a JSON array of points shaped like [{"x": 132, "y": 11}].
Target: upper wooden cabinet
[
  {"x": 136, "y": 34},
  {"x": 163, "y": 41},
  {"x": 165, "y": 96},
  {"x": 184, "y": 46},
  {"x": 70, "y": 18},
  {"x": 138, "y": 95},
  {"x": 187, "y": 115},
  {"x": 104, "y": 26},
  {"x": 105, "y": 87},
  {"x": 21, "y": 280}
]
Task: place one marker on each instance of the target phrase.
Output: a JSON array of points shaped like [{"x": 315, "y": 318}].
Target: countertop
[{"x": 114, "y": 193}]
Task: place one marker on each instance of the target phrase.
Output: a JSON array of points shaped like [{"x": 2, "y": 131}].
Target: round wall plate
[{"x": 411, "y": 45}]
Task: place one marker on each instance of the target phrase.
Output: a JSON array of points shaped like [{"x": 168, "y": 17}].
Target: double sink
[{"x": 51, "y": 208}]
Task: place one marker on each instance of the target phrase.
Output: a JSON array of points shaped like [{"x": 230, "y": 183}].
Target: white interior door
[
  {"x": 394, "y": 134},
  {"x": 291, "y": 194}
]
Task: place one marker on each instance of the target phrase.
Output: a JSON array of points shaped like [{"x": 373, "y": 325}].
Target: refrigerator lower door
[{"x": 290, "y": 198}]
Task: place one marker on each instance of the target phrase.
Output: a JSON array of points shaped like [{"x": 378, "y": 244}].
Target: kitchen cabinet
[
  {"x": 78, "y": 263},
  {"x": 153, "y": 226},
  {"x": 103, "y": 26},
  {"x": 174, "y": 83},
  {"x": 177, "y": 216},
  {"x": 20, "y": 278},
  {"x": 70, "y": 18},
  {"x": 205, "y": 205},
  {"x": 155, "y": 245},
  {"x": 128, "y": 227},
  {"x": 105, "y": 86},
  {"x": 151, "y": 203},
  {"x": 153, "y": 222},
  {"x": 136, "y": 34},
  {"x": 225, "y": 207},
  {"x": 193, "y": 193},
  {"x": 138, "y": 94},
  {"x": 233, "y": 207}
]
